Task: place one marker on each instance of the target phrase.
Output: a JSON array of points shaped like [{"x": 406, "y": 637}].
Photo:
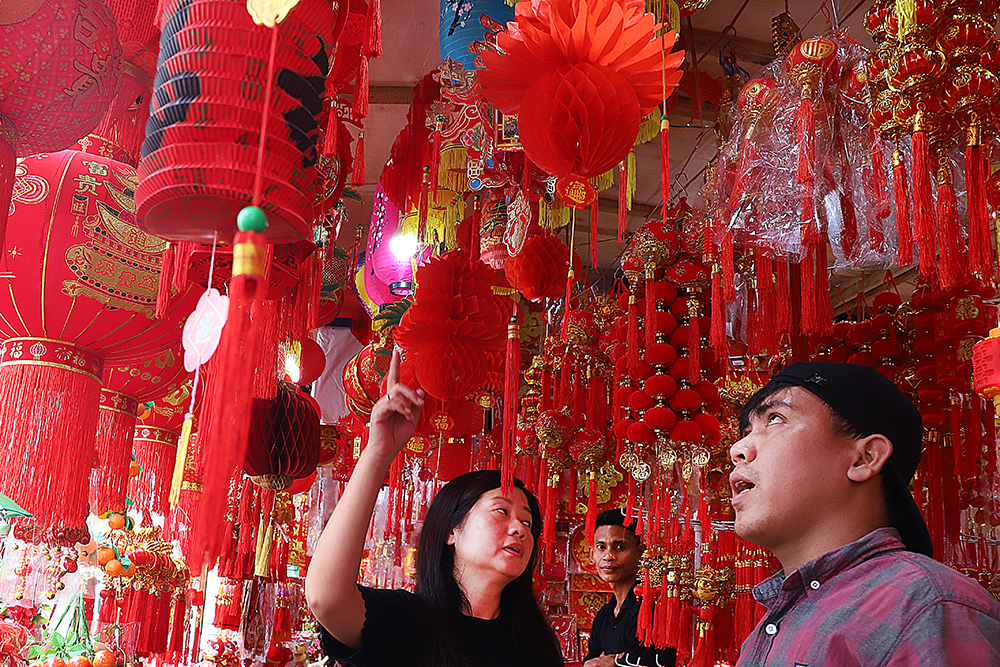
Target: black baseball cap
[{"x": 873, "y": 404}]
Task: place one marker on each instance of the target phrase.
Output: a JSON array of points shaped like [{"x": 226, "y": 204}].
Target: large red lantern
[
  {"x": 580, "y": 119},
  {"x": 284, "y": 441},
  {"x": 539, "y": 270},
  {"x": 155, "y": 447},
  {"x": 125, "y": 388},
  {"x": 463, "y": 328},
  {"x": 200, "y": 157},
  {"x": 82, "y": 295}
]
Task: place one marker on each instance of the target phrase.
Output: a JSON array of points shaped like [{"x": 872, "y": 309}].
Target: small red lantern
[
  {"x": 284, "y": 441},
  {"x": 539, "y": 270},
  {"x": 986, "y": 368}
]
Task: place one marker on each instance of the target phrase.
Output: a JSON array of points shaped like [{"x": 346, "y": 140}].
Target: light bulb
[{"x": 403, "y": 246}]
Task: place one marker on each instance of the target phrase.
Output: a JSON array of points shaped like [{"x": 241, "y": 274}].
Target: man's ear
[{"x": 870, "y": 454}]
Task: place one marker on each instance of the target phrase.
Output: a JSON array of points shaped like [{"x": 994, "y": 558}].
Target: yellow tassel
[
  {"x": 604, "y": 181},
  {"x": 451, "y": 171},
  {"x": 554, "y": 215},
  {"x": 648, "y": 128},
  {"x": 630, "y": 183},
  {"x": 654, "y": 7},
  {"x": 181, "y": 461},
  {"x": 905, "y": 11},
  {"x": 265, "y": 542},
  {"x": 674, "y": 14}
]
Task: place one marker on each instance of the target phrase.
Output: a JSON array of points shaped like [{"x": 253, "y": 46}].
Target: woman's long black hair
[{"x": 437, "y": 587}]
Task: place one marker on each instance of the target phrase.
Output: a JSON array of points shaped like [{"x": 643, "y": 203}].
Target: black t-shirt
[
  {"x": 398, "y": 632},
  {"x": 611, "y": 635}
]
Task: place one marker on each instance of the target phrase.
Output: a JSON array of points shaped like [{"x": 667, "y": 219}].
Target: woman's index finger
[{"x": 393, "y": 376}]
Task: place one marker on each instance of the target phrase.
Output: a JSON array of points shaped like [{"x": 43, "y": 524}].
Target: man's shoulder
[{"x": 926, "y": 581}]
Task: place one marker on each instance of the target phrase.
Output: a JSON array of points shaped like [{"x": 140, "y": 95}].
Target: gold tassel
[
  {"x": 182, "y": 455},
  {"x": 649, "y": 127},
  {"x": 630, "y": 183},
  {"x": 604, "y": 181},
  {"x": 553, "y": 215},
  {"x": 265, "y": 542}
]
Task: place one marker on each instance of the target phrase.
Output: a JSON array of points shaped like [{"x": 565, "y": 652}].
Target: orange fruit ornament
[
  {"x": 105, "y": 555},
  {"x": 55, "y": 661},
  {"x": 104, "y": 658},
  {"x": 116, "y": 521},
  {"x": 114, "y": 568},
  {"x": 80, "y": 661}
]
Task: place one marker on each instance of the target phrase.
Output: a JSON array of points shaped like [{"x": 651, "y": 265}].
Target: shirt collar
[{"x": 824, "y": 568}]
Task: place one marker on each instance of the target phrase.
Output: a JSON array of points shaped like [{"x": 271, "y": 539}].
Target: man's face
[
  {"x": 790, "y": 472},
  {"x": 616, "y": 554}
]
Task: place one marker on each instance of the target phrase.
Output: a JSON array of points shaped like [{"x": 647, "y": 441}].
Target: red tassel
[
  {"x": 807, "y": 276},
  {"x": 330, "y": 135},
  {"x": 565, "y": 381},
  {"x": 570, "y": 279},
  {"x": 824, "y": 307},
  {"x": 435, "y": 159},
  {"x": 950, "y": 270},
  {"x": 593, "y": 235},
  {"x": 591, "y": 506},
  {"x": 551, "y": 502},
  {"x": 512, "y": 376},
  {"x": 182, "y": 259},
  {"x": 644, "y": 626},
  {"x": 980, "y": 245},
  {"x": 632, "y": 334},
  {"x": 477, "y": 217},
  {"x": 373, "y": 32},
  {"x": 622, "y": 200},
  {"x": 630, "y": 500},
  {"x": 694, "y": 340},
  {"x": 878, "y": 181},
  {"x": 115, "y": 430},
  {"x": 849, "y": 235},
  {"x": 717, "y": 333},
  {"x": 423, "y": 208},
  {"x": 664, "y": 158},
  {"x": 360, "y": 107},
  {"x": 923, "y": 205},
  {"x": 904, "y": 253},
  {"x": 728, "y": 269},
  {"x": 649, "y": 322},
  {"x": 227, "y": 426},
  {"x": 165, "y": 282},
  {"x": 358, "y": 166},
  {"x": 526, "y": 177},
  {"x": 806, "y": 135}
]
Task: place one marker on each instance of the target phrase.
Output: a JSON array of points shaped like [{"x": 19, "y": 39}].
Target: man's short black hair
[{"x": 615, "y": 517}]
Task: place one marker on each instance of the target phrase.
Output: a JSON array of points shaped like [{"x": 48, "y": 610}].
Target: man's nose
[{"x": 743, "y": 450}]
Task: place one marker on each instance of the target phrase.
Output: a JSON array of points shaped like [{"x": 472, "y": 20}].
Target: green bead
[{"x": 251, "y": 219}]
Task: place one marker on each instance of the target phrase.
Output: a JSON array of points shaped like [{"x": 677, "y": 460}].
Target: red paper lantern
[
  {"x": 155, "y": 447},
  {"x": 284, "y": 441},
  {"x": 125, "y": 388},
  {"x": 539, "y": 270},
  {"x": 579, "y": 119},
  {"x": 464, "y": 328},
  {"x": 82, "y": 295},
  {"x": 986, "y": 368},
  {"x": 312, "y": 362}
]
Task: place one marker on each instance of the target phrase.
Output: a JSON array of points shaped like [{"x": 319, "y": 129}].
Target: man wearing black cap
[{"x": 822, "y": 480}]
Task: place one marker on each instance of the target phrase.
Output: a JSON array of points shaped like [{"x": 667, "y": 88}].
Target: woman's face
[{"x": 494, "y": 540}]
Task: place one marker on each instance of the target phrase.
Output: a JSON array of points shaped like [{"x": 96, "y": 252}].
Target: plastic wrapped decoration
[
  {"x": 865, "y": 236},
  {"x": 201, "y": 148},
  {"x": 92, "y": 285},
  {"x": 460, "y": 26}
]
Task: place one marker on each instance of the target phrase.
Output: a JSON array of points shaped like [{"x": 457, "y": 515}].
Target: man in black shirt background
[{"x": 615, "y": 552}]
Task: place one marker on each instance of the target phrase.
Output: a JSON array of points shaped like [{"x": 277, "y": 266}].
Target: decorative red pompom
[
  {"x": 660, "y": 385},
  {"x": 686, "y": 400},
  {"x": 659, "y": 418},
  {"x": 686, "y": 431},
  {"x": 639, "y": 432},
  {"x": 540, "y": 269}
]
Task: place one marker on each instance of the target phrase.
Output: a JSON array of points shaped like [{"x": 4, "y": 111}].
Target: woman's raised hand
[{"x": 394, "y": 416}]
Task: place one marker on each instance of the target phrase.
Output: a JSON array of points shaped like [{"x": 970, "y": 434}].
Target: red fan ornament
[{"x": 454, "y": 316}]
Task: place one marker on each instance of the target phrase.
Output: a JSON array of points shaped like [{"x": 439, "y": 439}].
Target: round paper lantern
[
  {"x": 61, "y": 69},
  {"x": 462, "y": 24},
  {"x": 579, "y": 119},
  {"x": 154, "y": 445},
  {"x": 284, "y": 441},
  {"x": 125, "y": 388},
  {"x": 312, "y": 362},
  {"x": 200, "y": 156},
  {"x": 539, "y": 270},
  {"x": 82, "y": 296}
]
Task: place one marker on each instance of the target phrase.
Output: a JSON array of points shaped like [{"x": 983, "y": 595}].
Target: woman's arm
[{"x": 331, "y": 583}]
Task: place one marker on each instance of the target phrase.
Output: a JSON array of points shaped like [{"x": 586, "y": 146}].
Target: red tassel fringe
[
  {"x": 373, "y": 32},
  {"x": 360, "y": 107},
  {"x": 904, "y": 253},
  {"x": 980, "y": 244},
  {"x": 950, "y": 270},
  {"x": 358, "y": 166},
  {"x": 923, "y": 205}
]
